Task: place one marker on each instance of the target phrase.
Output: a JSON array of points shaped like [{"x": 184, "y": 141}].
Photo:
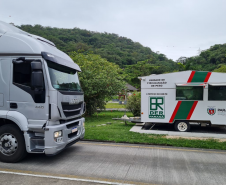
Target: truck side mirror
[
  {"x": 37, "y": 75},
  {"x": 37, "y": 79},
  {"x": 36, "y": 66}
]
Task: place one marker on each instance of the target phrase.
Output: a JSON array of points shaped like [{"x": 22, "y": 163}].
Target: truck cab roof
[{"x": 14, "y": 41}]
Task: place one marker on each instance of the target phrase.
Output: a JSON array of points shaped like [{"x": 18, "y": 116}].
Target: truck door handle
[{"x": 13, "y": 105}]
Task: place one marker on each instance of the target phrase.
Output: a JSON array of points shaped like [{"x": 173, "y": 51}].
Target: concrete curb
[{"x": 182, "y": 134}]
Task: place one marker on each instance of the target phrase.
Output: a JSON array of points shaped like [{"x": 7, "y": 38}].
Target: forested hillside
[
  {"x": 114, "y": 48},
  {"x": 133, "y": 58},
  {"x": 209, "y": 60}
]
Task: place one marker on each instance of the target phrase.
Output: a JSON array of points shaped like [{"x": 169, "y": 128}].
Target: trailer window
[
  {"x": 189, "y": 92},
  {"x": 217, "y": 93}
]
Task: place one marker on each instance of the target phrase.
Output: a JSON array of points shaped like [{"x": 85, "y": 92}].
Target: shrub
[{"x": 134, "y": 103}]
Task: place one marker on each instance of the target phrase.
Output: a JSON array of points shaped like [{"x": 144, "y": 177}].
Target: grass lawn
[
  {"x": 114, "y": 105},
  {"x": 119, "y": 132}
]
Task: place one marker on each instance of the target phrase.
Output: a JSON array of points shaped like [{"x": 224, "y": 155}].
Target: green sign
[{"x": 157, "y": 107}]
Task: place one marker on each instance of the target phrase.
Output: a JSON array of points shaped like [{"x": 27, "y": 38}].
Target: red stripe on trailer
[
  {"x": 175, "y": 111},
  {"x": 207, "y": 77},
  {"x": 192, "y": 110},
  {"x": 191, "y": 76}
]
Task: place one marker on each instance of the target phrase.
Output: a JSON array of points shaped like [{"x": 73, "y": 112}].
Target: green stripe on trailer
[
  {"x": 184, "y": 110},
  {"x": 199, "y": 76}
]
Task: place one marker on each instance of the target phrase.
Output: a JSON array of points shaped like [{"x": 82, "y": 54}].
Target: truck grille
[
  {"x": 71, "y": 135},
  {"x": 71, "y": 110},
  {"x": 72, "y": 125}
]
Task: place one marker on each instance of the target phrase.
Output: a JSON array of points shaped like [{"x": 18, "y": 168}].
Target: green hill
[
  {"x": 208, "y": 60},
  {"x": 114, "y": 48},
  {"x": 135, "y": 59}
]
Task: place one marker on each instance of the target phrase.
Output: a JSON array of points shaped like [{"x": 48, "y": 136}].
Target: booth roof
[{"x": 131, "y": 88}]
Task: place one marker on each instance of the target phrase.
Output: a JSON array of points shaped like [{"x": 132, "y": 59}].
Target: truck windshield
[{"x": 63, "y": 78}]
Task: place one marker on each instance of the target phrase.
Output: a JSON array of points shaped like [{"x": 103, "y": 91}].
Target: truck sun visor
[{"x": 61, "y": 61}]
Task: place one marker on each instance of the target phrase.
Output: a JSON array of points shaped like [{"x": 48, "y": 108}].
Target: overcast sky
[{"x": 172, "y": 27}]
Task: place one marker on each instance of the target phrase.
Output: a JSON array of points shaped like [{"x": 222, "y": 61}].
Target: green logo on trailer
[{"x": 157, "y": 107}]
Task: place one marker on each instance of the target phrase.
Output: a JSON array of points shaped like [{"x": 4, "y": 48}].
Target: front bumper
[{"x": 52, "y": 147}]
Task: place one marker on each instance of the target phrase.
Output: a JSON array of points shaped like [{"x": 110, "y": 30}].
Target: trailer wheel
[
  {"x": 182, "y": 126},
  {"x": 12, "y": 144}
]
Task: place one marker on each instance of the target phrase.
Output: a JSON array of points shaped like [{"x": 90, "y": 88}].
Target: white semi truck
[
  {"x": 41, "y": 101},
  {"x": 184, "y": 98}
]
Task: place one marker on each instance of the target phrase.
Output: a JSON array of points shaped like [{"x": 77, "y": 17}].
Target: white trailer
[{"x": 181, "y": 98}]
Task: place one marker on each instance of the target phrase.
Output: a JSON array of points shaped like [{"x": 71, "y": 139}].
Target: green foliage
[
  {"x": 115, "y": 97},
  {"x": 209, "y": 59},
  {"x": 114, "y": 48},
  {"x": 135, "y": 59},
  {"x": 121, "y": 98},
  {"x": 132, "y": 72},
  {"x": 145, "y": 68},
  {"x": 114, "y": 106},
  {"x": 134, "y": 103},
  {"x": 221, "y": 68},
  {"x": 181, "y": 66},
  {"x": 100, "y": 79}
]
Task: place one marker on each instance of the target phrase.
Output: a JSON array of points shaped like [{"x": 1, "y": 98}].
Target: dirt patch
[{"x": 193, "y": 138}]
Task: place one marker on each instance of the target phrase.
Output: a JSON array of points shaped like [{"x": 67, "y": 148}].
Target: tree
[
  {"x": 209, "y": 59},
  {"x": 221, "y": 68},
  {"x": 181, "y": 66},
  {"x": 132, "y": 72},
  {"x": 99, "y": 79},
  {"x": 146, "y": 68},
  {"x": 116, "y": 49}
]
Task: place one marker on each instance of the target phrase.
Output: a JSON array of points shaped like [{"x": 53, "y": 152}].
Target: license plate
[
  {"x": 74, "y": 130},
  {"x": 59, "y": 139}
]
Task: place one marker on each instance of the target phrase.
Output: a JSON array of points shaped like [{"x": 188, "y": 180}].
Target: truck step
[{"x": 36, "y": 150}]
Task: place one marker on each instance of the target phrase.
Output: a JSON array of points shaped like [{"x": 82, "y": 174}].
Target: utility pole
[{"x": 199, "y": 51}]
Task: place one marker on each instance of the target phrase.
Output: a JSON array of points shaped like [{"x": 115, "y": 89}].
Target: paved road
[
  {"x": 9, "y": 179},
  {"x": 124, "y": 163}
]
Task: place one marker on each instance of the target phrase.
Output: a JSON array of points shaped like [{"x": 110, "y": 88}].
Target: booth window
[
  {"x": 189, "y": 92},
  {"x": 217, "y": 93}
]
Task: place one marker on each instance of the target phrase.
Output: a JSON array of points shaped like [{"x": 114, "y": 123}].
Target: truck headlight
[
  {"x": 83, "y": 124},
  {"x": 58, "y": 134}
]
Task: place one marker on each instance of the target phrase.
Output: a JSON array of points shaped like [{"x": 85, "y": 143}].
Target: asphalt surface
[
  {"x": 9, "y": 179},
  {"x": 121, "y": 163}
]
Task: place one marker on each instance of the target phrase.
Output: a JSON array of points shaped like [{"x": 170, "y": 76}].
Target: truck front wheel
[
  {"x": 182, "y": 126},
  {"x": 12, "y": 144}
]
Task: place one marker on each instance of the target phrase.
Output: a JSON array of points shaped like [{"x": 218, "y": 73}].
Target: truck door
[
  {"x": 4, "y": 85},
  {"x": 25, "y": 98}
]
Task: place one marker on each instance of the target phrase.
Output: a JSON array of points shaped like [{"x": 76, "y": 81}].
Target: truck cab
[{"x": 41, "y": 100}]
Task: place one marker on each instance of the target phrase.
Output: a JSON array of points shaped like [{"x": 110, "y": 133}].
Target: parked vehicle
[
  {"x": 41, "y": 101},
  {"x": 184, "y": 98}
]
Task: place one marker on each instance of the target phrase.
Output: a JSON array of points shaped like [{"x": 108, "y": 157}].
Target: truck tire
[
  {"x": 12, "y": 144},
  {"x": 182, "y": 126}
]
